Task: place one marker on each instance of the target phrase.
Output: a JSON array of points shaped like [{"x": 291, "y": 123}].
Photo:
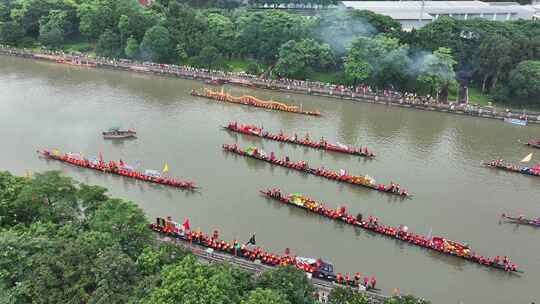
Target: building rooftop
[{"x": 397, "y": 8}]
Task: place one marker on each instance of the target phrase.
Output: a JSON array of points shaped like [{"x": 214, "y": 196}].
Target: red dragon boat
[
  {"x": 252, "y": 101},
  {"x": 363, "y": 181},
  {"x": 502, "y": 165},
  {"x": 120, "y": 168},
  {"x": 318, "y": 268},
  {"x": 401, "y": 233},
  {"x": 321, "y": 144}
]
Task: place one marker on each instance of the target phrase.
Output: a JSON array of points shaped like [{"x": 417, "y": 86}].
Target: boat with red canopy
[
  {"x": 118, "y": 168},
  {"x": 318, "y": 268},
  {"x": 322, "y": 144},
  {"x": 343, "y": 177},
  {"x": 400, "y": 233}
]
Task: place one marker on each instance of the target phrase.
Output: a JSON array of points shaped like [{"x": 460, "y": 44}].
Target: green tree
[
  {"x": 494, "y": 58},
  {"x": 49, "y": 196},
  {"x": 116, "y": 277},
  {"x": 11, "y": 32},
  {"x": 108, "y": 44},
  {"x": 437, "y": 73},
  {"x": 408, "y": 299},
  {"x": 340, "y": 295},
  {"x": 91, "y": 198},
  {"x": 381, "y": 23},
  {"x": 265, "y": 296},
  {"x": 261, "y": 34},
  {"x": 157, "y": 45},
  {"x": 525, "y": 81},
  {"x": 10, "y": 187},
  {"x": 290, "y": 282},
  {"x": 386, "y": 57},
  {"x": 132, "y": 48},
  {"x": 153, "y": 259},
  {"x": 187, "y": 27},
  {"x": 220, "y": 33},
  {"x": 191, "y": 282},
  {"x": 296, "y": 57},
  {"x": 125, "y": 222},
  {"x": 208, "y": 57},
  {"x": 53, "y": 28}
]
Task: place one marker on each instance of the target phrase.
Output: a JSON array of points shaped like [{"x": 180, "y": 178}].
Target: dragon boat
[
  {"x": 306, "y": 141},
  {"x": 401, "y": 233},
  {"x": 252, "y": 101},
  {"x": 302, "y": 166},
  {"x": 117, "y": 168}
]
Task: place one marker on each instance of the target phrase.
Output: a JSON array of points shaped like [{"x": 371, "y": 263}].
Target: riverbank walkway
[
  {"x": 211, "y": 257},
  {"x": 359, "y": 93}
]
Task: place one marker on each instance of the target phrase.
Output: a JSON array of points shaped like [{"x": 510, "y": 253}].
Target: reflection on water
[{"x": 434, "y": 155}]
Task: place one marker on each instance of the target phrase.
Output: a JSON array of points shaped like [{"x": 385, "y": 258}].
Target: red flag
[
  {"x": 186, "y": 224},
  {"x": 121, "y": 163}
]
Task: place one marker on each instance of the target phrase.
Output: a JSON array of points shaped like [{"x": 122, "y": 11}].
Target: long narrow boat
[
  {"x": 316, "y": 267},
  {"x": 502, "y": 165},
  {"x": 120, "y": 168},
  {"x": 343, "y": 177},
  {"x": 252, "y": 101},
  {"x": 522, "y": 220},
  {"x": 321, "y": 145},
  {"x": 117, "y": 133},
  {"x": 401, "y": 233},
  {"x": 535, "y": 143}
]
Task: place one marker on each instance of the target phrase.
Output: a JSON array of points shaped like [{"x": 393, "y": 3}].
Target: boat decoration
[
  {"x": 522, "y": 220},
  {"x": 318, "y": 268},
  {"x": 502, "y": 165},
  {"x": 117, "y": 133},
  {"x": 401, "y": 233},
  {"x": 515, "y": 121},
  {"x": 322, "y": 144},
  {"x": 252, "y": 101},
  {"x": 342, "y": 176},
  {"x": 118, "y": 168}
]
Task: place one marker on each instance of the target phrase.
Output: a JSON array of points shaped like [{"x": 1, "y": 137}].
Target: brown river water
[{"x": 436, "y": 156}]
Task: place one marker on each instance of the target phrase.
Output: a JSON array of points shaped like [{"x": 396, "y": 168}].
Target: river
[{"x": 435, "y": 155}]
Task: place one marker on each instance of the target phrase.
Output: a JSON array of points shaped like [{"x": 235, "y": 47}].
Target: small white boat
[{"x": 516, "y": 121}]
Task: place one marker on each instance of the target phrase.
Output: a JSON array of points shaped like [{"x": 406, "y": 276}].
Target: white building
[{"x": 415, "y": 14}]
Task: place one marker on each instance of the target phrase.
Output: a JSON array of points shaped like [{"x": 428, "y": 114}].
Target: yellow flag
[
  {"x": 527, "y": 158},
  {"x": 166, "y": 168},
  {"x": 28, "y": 174},
  {"x": 56, "y": 152}
]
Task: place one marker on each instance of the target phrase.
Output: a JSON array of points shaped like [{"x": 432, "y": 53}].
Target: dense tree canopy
[
  {"x": 525, "y": 81},
  {"x": 356, "y": 46}
]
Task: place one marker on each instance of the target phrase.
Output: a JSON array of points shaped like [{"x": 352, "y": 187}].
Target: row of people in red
[
  {"x": 303, "y": 166},
  {"x": 113, "y": 167},
  {"x": 321, "y": 144},
  {"x": 401, "y": 233},
  {"x": 247, "y": 251}
]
